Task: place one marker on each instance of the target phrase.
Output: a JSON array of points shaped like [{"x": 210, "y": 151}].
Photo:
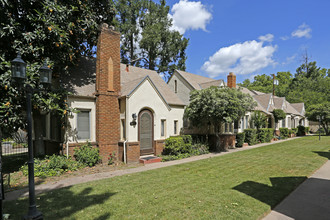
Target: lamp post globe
[
  {"x": 18, "y": 68},
  {"x": 45, "y": 74}
]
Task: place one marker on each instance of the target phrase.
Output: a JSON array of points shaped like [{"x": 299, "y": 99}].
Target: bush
[
  {"x": 265, "y": 135},
  {"x": 301, "y": 130},
  {"x": 307, "y": 130},
  {"x": 52, "y": 166},
  {"x": 240, "y": 139},
  {"x": 177, "y": 145},
  {"x": 295, "y": 130},
  {"x": 250, "y": 136},
  {"x": 284, "y": 133},
  {"x": 291, "y": 132},
  {"x": 180, "y": 147},
  {"x": 87, "y": 155}
]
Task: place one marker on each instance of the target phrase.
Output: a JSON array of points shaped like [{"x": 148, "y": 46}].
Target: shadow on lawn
[
  {"x": 323, "y": 154},
  {"x": 271, "y": 195},
  {"x": 61, "y": 203}
]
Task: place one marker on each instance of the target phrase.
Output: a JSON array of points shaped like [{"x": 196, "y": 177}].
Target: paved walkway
[
  {"x": 311, "y": 200},
  {"x": 98, "y": 176}
]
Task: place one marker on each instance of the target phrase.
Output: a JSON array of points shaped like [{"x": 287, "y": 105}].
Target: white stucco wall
[
  {"x": 82, "y": 104},
  {"x": 146, "y": 97}
]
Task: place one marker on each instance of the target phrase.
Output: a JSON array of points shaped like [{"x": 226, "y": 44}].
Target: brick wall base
[
  {"x": 133, "y": 152},
  {"x": 159, "y": 147},
  {"x": 227, "y": 141}
]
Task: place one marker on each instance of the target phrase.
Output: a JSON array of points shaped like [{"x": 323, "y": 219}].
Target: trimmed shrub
[
  {"x": 284, "y": 133},
  {"x": 265, "y": 135},
  {"x": 301, "y": 130},
  {"x": 177, "y": 145},
  {"x": 240, "y": 139},
  {"x": 307, "y": 130},
  {"x": 87, "y": 155},
  {"x": 250, "y": 136},
  {"x": 291, "y": 132},
  {"x": 295, "y": 130}
]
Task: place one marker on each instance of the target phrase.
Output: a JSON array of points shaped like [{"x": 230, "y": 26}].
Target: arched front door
[{"x": 146, "y": 132}]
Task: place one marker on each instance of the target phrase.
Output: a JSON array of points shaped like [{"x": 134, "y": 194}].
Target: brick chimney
[
  {"x": 107, "y": 91},
  {"x": 231, "y": 80}
]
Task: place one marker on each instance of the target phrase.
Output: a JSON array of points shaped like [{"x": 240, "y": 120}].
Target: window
[
  {"x": 83, "y": 124},
  {"x": 123, "y": 131},
  {"x": 55, "y": 128},
  {"x": 289, "y": 123},
  {"x": 175, "y": 86},
  {"x": 175, "y": 127},
  {"x": 162, "y": 127},
  {"x": 246, "y": 121},
  {"x": 283, "y": 123}
]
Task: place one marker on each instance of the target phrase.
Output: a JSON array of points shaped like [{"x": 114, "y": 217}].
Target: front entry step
[{"x": 150, "y": 159}]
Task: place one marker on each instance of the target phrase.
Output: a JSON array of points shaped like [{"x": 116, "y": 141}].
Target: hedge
[
  {"x": 265, "y": 135},
  {"x": 240, "y": 139},
  {"x": 284, "y": 133},
  {"x": 250, "y": 136},
  {"x": 302, "y": 130}
]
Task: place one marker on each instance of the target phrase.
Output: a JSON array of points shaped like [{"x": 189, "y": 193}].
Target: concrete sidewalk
[
  {"x": 98, "y": 176},
  {"x": 311, "y": 200}
]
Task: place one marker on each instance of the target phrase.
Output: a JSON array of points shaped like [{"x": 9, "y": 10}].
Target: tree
[
  {"x": 214, "y": 106},
  {"x": 258, "y": 119},
  {"x": 147, "y": 38},
  {"x": 320, "y": 110},
  {"x": 278, "y": 114},
  {"x": 61, "y": 30}
]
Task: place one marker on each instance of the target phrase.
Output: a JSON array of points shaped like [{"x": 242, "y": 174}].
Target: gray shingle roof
[
  {"x": 194, "y": 80},
  {"x": 299, "y": 107},
  {"x": 212, "y": 83},
  {"x": 131, "y": 78}
]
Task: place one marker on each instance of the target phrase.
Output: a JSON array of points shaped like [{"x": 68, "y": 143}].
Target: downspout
[
  {"x": 125, "y": 151},
  {"x": 127, "y": 128}
]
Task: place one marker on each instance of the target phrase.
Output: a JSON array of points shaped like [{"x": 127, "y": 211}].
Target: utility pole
[{"x": 275, "y": 82}]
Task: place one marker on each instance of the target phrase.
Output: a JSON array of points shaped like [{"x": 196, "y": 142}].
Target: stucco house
[{"x": 122, "y": 109}]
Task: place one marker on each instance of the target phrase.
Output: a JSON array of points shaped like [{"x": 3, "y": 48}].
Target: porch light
[
  {"x": 18, "y": 68},
  {"x": 45, "y": 74}
]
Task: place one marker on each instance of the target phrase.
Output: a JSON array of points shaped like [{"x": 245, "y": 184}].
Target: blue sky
[{"x": 252, "y": 37}]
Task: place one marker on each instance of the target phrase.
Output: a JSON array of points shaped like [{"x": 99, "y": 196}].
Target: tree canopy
[
  {"x": 214, "y": 106},
  {"x": 148, "y": 39}
]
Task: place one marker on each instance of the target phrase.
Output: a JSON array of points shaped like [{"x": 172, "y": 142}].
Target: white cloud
[
  {"x": 303, "y": 31},
  {"x": 240, "y": 58},
  {"x": 290, "y": 59},
  {"x": 266, "y": 38},
  {"x": 189, "y": 15},
  {"x": 285, "y": 38}
]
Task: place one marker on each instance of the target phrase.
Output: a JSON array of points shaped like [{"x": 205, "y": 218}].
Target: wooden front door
[{"x": 146, "y": 131}]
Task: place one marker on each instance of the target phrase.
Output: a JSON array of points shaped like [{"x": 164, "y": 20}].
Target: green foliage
[
  {"x": 278, "y": 114},
  {"x": 320, "y": 110},
  {"x": 62, "y": 31},
  {"x": 111, "y": 158},
  {"x": 250, "y": 136},
  {"x": 147, "y": 38},
  {"x": 258, "y": 120},
  {"x": 87, "y": 155},
  {"x": 284, "y": 133},
  {"x": 240, "y": 139},
  {"x": 302, "y": 131},
  {"x": 213, "y": 106},
  {"x": 265, "y": 135},
  {"x": 294, "y": 130},
  {"x": 179, "y": 147},
  {"x": 53, "y": 165}
]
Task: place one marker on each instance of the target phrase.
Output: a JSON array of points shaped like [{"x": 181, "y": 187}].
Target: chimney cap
[{"x": 231, "y": 73}]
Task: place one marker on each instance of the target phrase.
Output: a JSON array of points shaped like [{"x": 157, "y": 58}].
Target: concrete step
[{"x": 150, "y": 159}]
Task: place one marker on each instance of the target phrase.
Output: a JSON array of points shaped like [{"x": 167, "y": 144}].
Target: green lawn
[{"x": 242, "y": 185}]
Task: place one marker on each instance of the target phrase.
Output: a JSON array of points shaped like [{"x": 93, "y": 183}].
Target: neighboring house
[
  {"x": 120, "y": 106},
  {"x": 182, "y": 83}
]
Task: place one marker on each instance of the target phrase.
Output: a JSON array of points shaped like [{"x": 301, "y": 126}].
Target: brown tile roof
[
  {"x": 194, "y": 80},
  {"x": 132, "y": 78}
]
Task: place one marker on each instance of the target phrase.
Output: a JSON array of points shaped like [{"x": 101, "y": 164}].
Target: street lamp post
[{"x": 19, "y": 74}]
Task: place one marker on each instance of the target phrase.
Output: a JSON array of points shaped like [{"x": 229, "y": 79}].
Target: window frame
[{"x": 89, "y": 124}]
